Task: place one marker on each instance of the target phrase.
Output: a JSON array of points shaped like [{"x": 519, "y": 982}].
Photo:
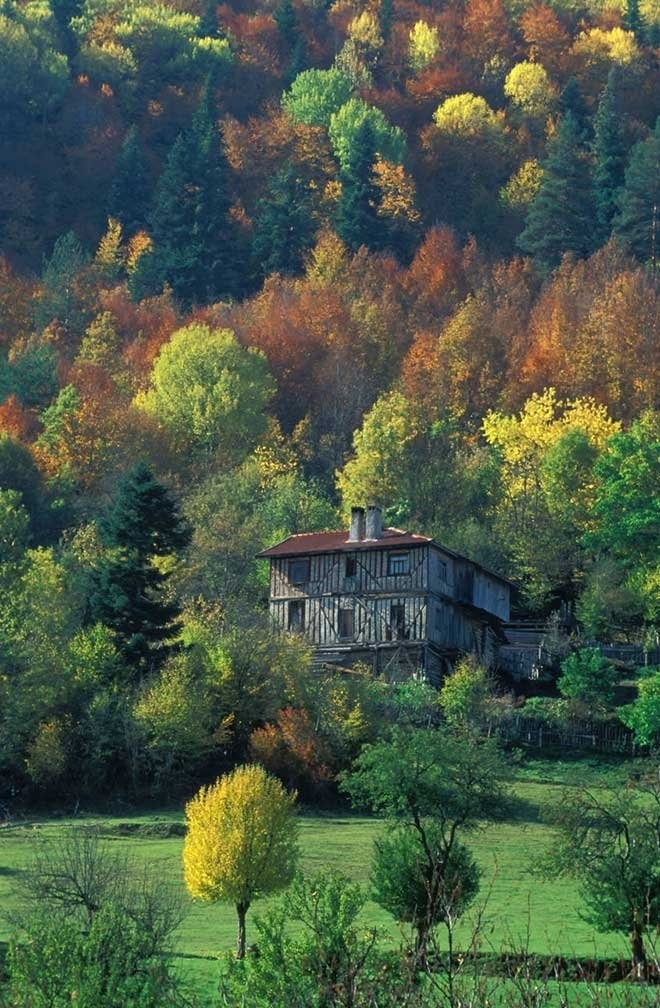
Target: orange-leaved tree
[{"x": 241, "y": 841}]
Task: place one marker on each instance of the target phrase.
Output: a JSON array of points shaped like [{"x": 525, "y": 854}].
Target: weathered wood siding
[
  {"x": 371, "y": 616},
  {"x": 328, "y": 574},
  {"x": 463, "y": 581}
]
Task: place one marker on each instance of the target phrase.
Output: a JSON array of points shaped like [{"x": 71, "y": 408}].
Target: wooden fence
[{"x": 600, "y": 736}]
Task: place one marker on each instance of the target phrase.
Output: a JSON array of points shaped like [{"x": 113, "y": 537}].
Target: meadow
[{"x": 518, "y": 909}]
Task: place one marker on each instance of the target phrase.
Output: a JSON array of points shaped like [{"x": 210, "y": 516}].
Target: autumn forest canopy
[{"x": 262, "y": 261}]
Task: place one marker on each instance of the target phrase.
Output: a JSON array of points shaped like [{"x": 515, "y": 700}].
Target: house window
[
  {"x": 398, "y": 563},
  {"x": 298, "y": 571},
  {"x": 346, "y": 623},
  {"x": 443, "y": 571},
  {"x": 297, "y": 616},
  {"x": 351, "y": 566},
  {"x": 398, "y": 622}
]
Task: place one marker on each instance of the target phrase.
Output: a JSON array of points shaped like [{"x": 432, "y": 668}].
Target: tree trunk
[
  {"x": 639, "y": 964},
  {"x": 241, "y": 910}
]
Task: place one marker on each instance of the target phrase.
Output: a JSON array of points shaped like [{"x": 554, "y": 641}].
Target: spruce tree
[
  {"x": 357, "y": 218},
  {"x": 197, "y": 246},
  {"x": 285, "y": 18},
  {"x": 571, "y": 100},
  {"x": 208, "y": 23},
  {"x": 638, "y": 220},
  {"x": 385, "y": 13},
  {"x": 632, "y": 19},
  {"x": 561, "y": 216},
  {"x": 176, "y": 254},
  {"x": 284, "y": 228},
  {"x": 141, "y": 525},
  {"x": 609, "y": 152},
  {"x": 128, "y": 201}
]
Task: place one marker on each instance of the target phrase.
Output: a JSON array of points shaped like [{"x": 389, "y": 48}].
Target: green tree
[
  {"x": 643, "y": 715},
  {"x": 588, "y": 677},
  {"x": 209, "y": 392},
  {"x": 59, "y": 298},
  {"x": 130, "y": 193},
  {"x": 632, "y": 18},
  {"x": 141, "y": 527},
  {"x": 422, "y": 881},
  {"x": 357, "y": 220},
  {"x": 435, "y": 786},
  {"x": 347, "y": 133},
  {"x": 626, "y": 506},
  {"x": 560, "y": 217},
  {"x": 637, "y": 220},
  {"x": 609, "y": 151},
  {"x": 610, "y": 843},
  {"x": 284, "y": 227},
  {"x": 315, "y": 95},
  {"x": 466, "y": 696},
  {"x": 241, "y": 841},
  {"x": 196, "y": 241}
]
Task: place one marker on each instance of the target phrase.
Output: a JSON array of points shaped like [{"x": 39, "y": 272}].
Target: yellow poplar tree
[{"x": 241, "y": 841}]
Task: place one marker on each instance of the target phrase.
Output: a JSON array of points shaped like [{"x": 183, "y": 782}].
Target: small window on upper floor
[
  {"x": 351, "y": 565},
  {"x": 298, "y": 571},
  {"x": 443, "y": 571},
  {"x": 398, "y": 563}
]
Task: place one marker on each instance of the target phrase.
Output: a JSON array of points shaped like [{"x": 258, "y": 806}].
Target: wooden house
[{"x": 395, "y": 600}]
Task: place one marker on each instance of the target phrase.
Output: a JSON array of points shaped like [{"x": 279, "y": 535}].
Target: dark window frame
[
  {"x": 393, "y": 560},
  {"x": 303, "y": 563},
  {"x": 350, "y": 565},
  {"x": 344, "y": 613},
  {"x": 296, "y": 624},
  {"x": 398, "y": 621}
]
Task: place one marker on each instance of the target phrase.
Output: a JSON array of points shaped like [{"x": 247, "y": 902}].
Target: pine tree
[
  {"x": 284, "y": 229},
  {"x": 216, "y": 233},
  {"x": 610, "y": 153},
  {"x": 571, "y": 100},
  {"x": 633, "y": 20},
  {"x": 176, "y": 254},
  {"x": 196, "y": 242},
  {"x": 285, "y": 18},
  {"x": 208, "y": 23},
  {"x": 128, "y": 201},
  {"x": 385, "y": 14},
  {"x": 357, "y": 219},
  {"x": 639, "y": 201},
  {"x": 63, "y": 13},
  {"x": 141, "y": 525},
  {"x": 561, "y": 216}
]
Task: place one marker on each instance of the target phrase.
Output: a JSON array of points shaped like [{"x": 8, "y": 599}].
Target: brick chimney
[
  {"x": 356, "y": 533},
  {"x": 374, "y": 522}
]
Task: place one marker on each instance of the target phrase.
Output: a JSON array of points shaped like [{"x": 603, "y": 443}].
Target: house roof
[
  {"x": 333, "y": 542},
  {"x": 307, "y": 543}
]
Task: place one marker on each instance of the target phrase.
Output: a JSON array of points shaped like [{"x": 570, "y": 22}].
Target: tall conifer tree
[
  {"x": 128, "y": 201},
  {"x": 284, "y": 229},
  {"x": 561, "y": 216},
  {"x": 638, "y": 220},
  {"x": 197, "y": 243},
  {"x": 357, "y": 219},
  {"x": 610, "y": 153},
  {"x": 141, "y": 525}
]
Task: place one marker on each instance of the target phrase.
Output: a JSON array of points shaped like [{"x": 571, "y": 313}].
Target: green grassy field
[{"x": 518, "y": 907}]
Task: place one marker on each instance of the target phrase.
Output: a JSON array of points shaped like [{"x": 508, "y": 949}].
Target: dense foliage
[{"x": 282, "y": 259}]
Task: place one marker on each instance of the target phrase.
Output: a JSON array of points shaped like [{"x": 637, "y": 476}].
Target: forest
[
  {"x": 260, "y": 265},
  {"x": 261, "y": 262}
]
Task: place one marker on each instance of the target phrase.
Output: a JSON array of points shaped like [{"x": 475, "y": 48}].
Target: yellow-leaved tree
[{"x": 241, "y": 841}]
